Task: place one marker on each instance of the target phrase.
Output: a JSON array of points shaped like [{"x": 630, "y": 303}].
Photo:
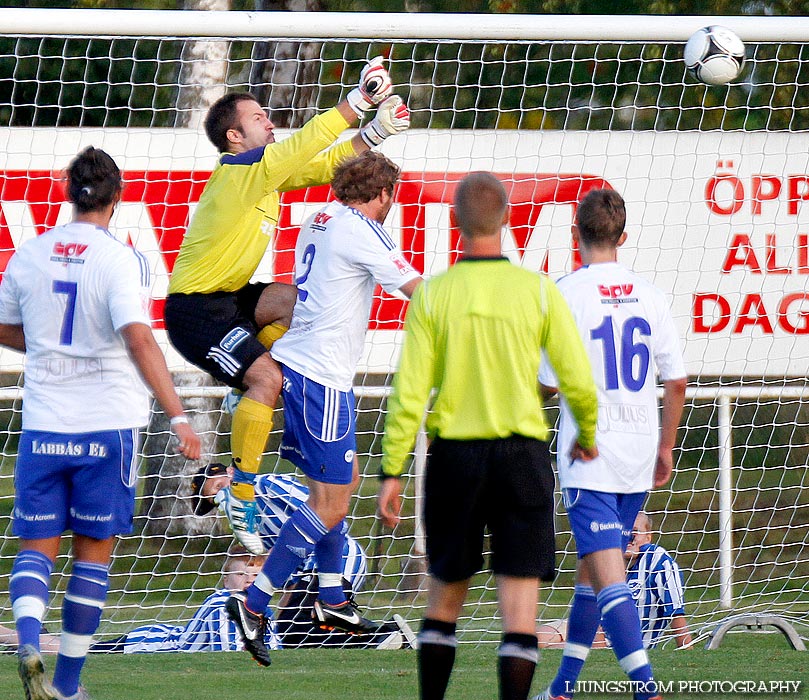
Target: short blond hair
[{"x": 480, "y": 205}]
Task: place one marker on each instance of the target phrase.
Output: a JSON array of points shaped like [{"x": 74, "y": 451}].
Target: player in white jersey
[
  {"x": 630, "y": 338},
  {"x": 628, "y": 331},
  {"x": 75, "y": 300},
  {"x": 342, "y": 252}
]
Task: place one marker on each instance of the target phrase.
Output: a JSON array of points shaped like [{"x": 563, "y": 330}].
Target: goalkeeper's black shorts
[{"x": 217, "y": 331}]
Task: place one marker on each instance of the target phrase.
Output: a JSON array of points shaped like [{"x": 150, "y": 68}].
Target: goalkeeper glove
[
  {"x": 392, "y": 117},
  {"x": 374, "y": 86}
]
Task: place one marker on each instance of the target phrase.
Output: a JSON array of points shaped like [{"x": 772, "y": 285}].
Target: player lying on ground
[
  {"x": 211, "y": 630},
  {"x": 277, "y": 497},
  {"x": 656, "y": 584}
]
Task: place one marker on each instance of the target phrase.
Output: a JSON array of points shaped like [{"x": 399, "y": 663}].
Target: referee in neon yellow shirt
[
  {"x": 475, "y": 335},
  {"x": 214, "y": 317}
]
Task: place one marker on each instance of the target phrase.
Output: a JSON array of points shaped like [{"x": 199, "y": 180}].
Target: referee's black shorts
[
  {"x": 505, "y": 485},
  {"x": 217, "y": 331}
]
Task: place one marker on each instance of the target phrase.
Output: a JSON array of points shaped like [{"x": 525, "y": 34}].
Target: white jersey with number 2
[
  {"x": 631, "y": 339},
  {"x": 73, "y": 288},
  {"x": 340, "y": 257}
]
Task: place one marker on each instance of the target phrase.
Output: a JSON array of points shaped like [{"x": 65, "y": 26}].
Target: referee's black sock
[
  {"x": 436, "y": 655},
  {"x": 517, "y": 660}
]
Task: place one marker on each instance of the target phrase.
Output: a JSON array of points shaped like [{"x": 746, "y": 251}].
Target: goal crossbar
[{"x": 392, "y": 25}]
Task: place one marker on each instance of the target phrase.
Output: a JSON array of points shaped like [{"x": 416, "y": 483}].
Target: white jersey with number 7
[
  {"x": 73, "y": 288},
  {"x": 631, "y": 340}
]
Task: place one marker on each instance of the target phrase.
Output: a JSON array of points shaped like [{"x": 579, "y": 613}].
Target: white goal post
[{"x": 716, "y": 182}]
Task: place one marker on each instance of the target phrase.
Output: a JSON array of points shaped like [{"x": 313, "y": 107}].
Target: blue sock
[
  {"x": 28, "y": 591},
  {"x": 81, "y": 613},
  {"x": 296, "y": 541},
  {"x": 581, "y": 631},
  {"x": 619, "y": 616},
  {"x": 329, "y": 558}
]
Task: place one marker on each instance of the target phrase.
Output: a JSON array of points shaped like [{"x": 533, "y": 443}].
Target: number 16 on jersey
[{"x": 626, "y": 360}]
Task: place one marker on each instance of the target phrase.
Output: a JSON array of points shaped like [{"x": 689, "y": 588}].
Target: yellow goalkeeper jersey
[
  {"x": 475, "y": 334},
  {"x": 237, "y": 213}
]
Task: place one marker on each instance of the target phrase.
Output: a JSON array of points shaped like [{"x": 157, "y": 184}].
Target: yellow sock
[
  {"x": 269, "y": 334},
  {"x": 252, "y": 423}
]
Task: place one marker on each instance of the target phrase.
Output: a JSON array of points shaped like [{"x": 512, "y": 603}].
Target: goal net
[{"x": 716, "y": 181}]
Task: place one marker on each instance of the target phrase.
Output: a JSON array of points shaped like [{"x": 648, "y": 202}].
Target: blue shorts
[
  {"x": 319, "y": 434},
  {"x": 84, "y": 482},
  {"x": 601, "y": 520}
]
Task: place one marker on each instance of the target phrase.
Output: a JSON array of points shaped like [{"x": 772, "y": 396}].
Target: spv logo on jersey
[
  {"x": 615, "y": 294},
  {"x": 68, "y": 252},
  {"x": 615, "y": 291}
]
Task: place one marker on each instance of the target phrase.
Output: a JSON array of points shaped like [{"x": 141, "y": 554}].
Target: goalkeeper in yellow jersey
[{"x": 214, "y": 316}]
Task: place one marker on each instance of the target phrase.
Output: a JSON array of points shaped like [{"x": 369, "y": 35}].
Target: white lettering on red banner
[{"x": 719, "y": 221}]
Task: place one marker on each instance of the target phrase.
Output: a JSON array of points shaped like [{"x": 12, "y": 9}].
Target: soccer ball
[{"x": 714, "y": 55}]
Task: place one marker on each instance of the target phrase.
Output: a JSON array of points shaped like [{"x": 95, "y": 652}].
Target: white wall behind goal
[{"x": 720, "y": 221}]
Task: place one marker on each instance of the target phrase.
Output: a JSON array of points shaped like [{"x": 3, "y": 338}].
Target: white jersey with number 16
[{"x": 630, "y": 337}]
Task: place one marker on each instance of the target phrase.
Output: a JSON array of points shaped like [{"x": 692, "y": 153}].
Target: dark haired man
[
  {"x": 75, "y": 301},
  {"x": 214, "y": 316},
  {"x": 474, "y": 335},
  {"x": 342, "y": 253},
  {"x": 630, "y": 337}
]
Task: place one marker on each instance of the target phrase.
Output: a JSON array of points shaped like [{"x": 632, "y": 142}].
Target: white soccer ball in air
[{"x": 714, "y": 55}]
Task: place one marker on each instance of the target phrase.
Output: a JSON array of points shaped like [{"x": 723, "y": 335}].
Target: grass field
[{"x": 391, "y": 675}]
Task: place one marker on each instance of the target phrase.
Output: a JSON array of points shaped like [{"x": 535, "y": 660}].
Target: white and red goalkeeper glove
[
  {"x": 392, "y": 117},
  {"x": 374, "y": 86}
]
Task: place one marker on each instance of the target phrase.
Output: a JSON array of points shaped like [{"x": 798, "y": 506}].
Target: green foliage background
[{"x": 535, "y": 85}]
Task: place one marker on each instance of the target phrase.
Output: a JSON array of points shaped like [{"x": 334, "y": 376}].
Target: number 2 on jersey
[
  {"x": 308, "y": 258},
  {"x": 629, "y": 350},
  {"x": 69, "y": 289}
]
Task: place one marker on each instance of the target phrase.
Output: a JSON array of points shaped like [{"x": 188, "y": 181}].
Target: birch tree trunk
[
  {"x": 284, "y": 74},
  {"x": 166, "y": 507}
]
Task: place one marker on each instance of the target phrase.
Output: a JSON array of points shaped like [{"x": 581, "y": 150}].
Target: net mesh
[{"x": 553, "y": 119}]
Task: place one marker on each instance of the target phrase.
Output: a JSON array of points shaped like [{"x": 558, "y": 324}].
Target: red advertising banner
[
  {"x": 719, "y": 221},
  {"x": 168, "y": 198}
]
